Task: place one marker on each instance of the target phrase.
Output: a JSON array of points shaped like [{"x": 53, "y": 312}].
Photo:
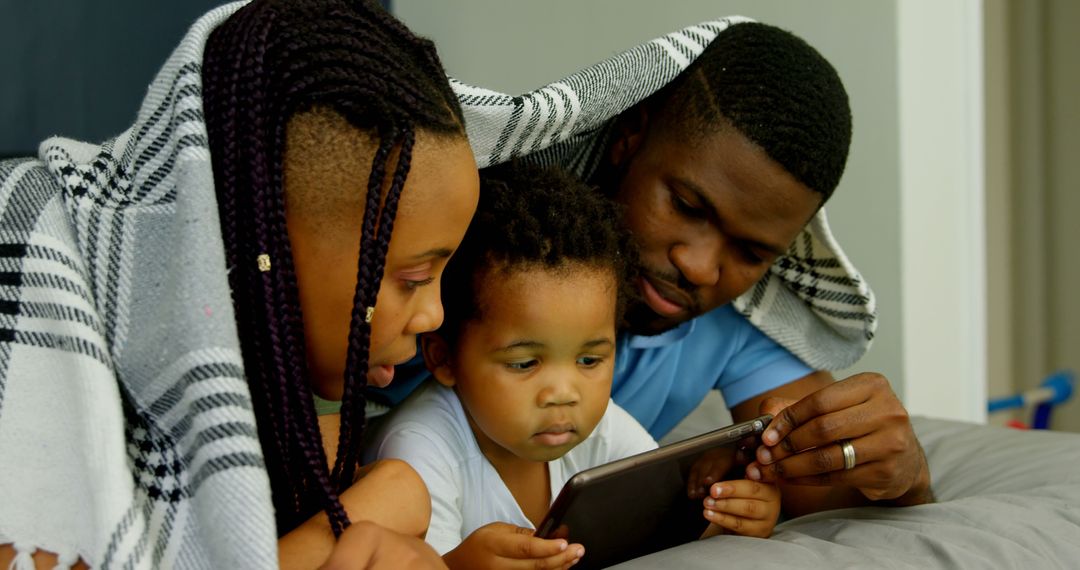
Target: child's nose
[{"x": 560, "y": 390}]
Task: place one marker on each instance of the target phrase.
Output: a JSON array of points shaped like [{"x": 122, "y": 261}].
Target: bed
[{"x": 1006, "y": 499}]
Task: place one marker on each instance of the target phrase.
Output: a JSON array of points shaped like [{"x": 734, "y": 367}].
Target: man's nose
[{"x": 699, "y": 260}]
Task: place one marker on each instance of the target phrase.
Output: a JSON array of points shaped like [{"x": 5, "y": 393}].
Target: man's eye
[
  {"x": 752, "y": 257},
  {"x": 685, "y": 207},
  {"x": 523, "y": 365}
]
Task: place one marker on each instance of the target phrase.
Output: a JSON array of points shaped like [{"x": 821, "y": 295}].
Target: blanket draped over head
[{"x": 127, "y": 437}]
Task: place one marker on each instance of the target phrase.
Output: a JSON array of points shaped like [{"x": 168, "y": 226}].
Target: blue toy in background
[{"x": 1054, "y": 390}]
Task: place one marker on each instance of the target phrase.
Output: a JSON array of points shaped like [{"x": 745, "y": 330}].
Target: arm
[
  {"x": 502, "y": 545},
  {"x": 378, "y": 497},
  {"x": 367, "y": 545},
  {"x": 800, "y": 451}
]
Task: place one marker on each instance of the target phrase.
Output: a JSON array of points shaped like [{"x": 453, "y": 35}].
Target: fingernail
[
  {"x": 562, "y": 545},
  {"x": 710, "y": 502},
  {"x": 708, "y": 514},
  {"x": 580, "y": 552},
  {"x": 753, "y": 473},
  {"x": 771, "y": 436},
  {"x": 765, "y": 455},
  {"x": 719, "y": 490}
]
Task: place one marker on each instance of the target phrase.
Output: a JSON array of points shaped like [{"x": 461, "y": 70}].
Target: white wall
[
  {"x": 943, "y": 269},
  {"x": 516, "y": 45}
]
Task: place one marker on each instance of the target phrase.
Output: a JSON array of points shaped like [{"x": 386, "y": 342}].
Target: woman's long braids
[{"x": 268, "y": 61}]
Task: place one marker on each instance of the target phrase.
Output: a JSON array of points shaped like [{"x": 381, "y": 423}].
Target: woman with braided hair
[
  {"x": 321, "y": 138},
  {"x": 369, "y": 128}
]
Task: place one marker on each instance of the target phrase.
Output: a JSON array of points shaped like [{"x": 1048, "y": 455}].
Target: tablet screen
[{"x": 650, "y": 501}]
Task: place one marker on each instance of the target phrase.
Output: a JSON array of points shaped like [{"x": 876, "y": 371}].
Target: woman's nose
[{"x": 429, "y": 312}]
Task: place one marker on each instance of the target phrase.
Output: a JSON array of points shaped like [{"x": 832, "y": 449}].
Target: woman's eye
[
  {"x": 590, "y": 361},
  {"x": 413, "y": 284},
  {"x": 523, "y": 365}
]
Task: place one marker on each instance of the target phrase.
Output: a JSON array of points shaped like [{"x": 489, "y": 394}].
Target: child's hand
[
  {"x": 743, "y": 507},
  {"x": 501, "y": 545}
]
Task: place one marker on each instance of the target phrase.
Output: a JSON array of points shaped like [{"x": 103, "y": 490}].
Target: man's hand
[
  {"x": 501, "y": 545},
  {"x": 367, "y": 545},
  {"x": 802, "y": 445}
]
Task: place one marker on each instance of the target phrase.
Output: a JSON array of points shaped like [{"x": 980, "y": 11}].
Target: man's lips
[
  {"x": 661, "y": 299},
  {"x": 559, "y": 434}
]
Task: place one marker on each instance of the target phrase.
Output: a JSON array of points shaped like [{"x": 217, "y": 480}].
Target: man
[{"x": 719, "y": 172}]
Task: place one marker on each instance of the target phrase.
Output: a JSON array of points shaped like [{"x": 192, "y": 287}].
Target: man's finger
[
  {"x": 825, "y": 459},
  {"x": 773, "y": 405},
  {"x": 837, "y": 396},
  {"x": 822, "y": 431}
]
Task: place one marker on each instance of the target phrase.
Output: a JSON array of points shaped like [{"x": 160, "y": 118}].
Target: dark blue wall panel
[{"x": 80, "y": 68}]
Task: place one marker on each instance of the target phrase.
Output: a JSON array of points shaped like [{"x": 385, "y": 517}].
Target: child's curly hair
[{"x": 529, "y": 216}]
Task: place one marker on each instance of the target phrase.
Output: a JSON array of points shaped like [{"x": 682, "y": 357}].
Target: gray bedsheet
[{"x": 1006, "y": 499}]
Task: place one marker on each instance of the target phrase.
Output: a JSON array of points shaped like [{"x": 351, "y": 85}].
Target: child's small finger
[
  {"x": 746, "y": 508},
  {"x": 739, "y": 525},
  {"x": 564, "y": 559},
  {"x": 521, "y": 546},
  {"x": 742, "y": 488},
  {"x": 724, "y": 520}
]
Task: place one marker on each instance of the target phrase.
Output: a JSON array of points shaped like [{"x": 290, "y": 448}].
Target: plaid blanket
[{"x": 126, "y": 427}]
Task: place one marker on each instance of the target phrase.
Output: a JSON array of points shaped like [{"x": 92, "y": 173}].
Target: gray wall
[{"x": 516, "y": 45}]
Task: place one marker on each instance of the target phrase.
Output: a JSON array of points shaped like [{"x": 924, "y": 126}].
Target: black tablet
[{"x": 649, "y": 501}]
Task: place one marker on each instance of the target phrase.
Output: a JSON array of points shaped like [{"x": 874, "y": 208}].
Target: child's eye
[
  {"x": 589, "y": 361},
  {"x": 413, "y": 284},
  {"x": 523, "y": 365}
]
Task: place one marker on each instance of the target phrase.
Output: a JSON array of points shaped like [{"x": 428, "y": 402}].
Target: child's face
[{"x": 534, "y": 371}]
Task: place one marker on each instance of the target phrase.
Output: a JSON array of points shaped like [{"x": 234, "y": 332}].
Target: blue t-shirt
[{"x": 661, "y": 379}]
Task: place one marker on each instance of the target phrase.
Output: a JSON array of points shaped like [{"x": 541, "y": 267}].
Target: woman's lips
[
  {"x": 659, "y": 303},
  {"x": 380, "y": 376}
]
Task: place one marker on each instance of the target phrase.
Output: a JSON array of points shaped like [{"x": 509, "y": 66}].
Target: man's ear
[
  {"x": 437, "y": 358},
  {"x": 631, "y": 127}
]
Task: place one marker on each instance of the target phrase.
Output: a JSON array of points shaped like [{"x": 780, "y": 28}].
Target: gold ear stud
[
  {"x": 264, "y": 262},
  {"x": 369, "y": 314}
]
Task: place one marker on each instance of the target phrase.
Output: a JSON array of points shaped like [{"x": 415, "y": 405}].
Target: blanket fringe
[{"x": 24, "y": 558}]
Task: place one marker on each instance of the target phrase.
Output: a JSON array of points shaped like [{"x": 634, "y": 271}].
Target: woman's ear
[
  {"x": 631, "y": 127},
  {"x": 437, "y": 358}
]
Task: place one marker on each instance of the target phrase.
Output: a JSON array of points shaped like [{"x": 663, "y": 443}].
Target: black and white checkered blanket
[{"x": 126, "y": 431}]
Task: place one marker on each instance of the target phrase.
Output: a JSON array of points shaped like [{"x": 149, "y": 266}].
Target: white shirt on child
[{"x": 429, "y": 431}]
